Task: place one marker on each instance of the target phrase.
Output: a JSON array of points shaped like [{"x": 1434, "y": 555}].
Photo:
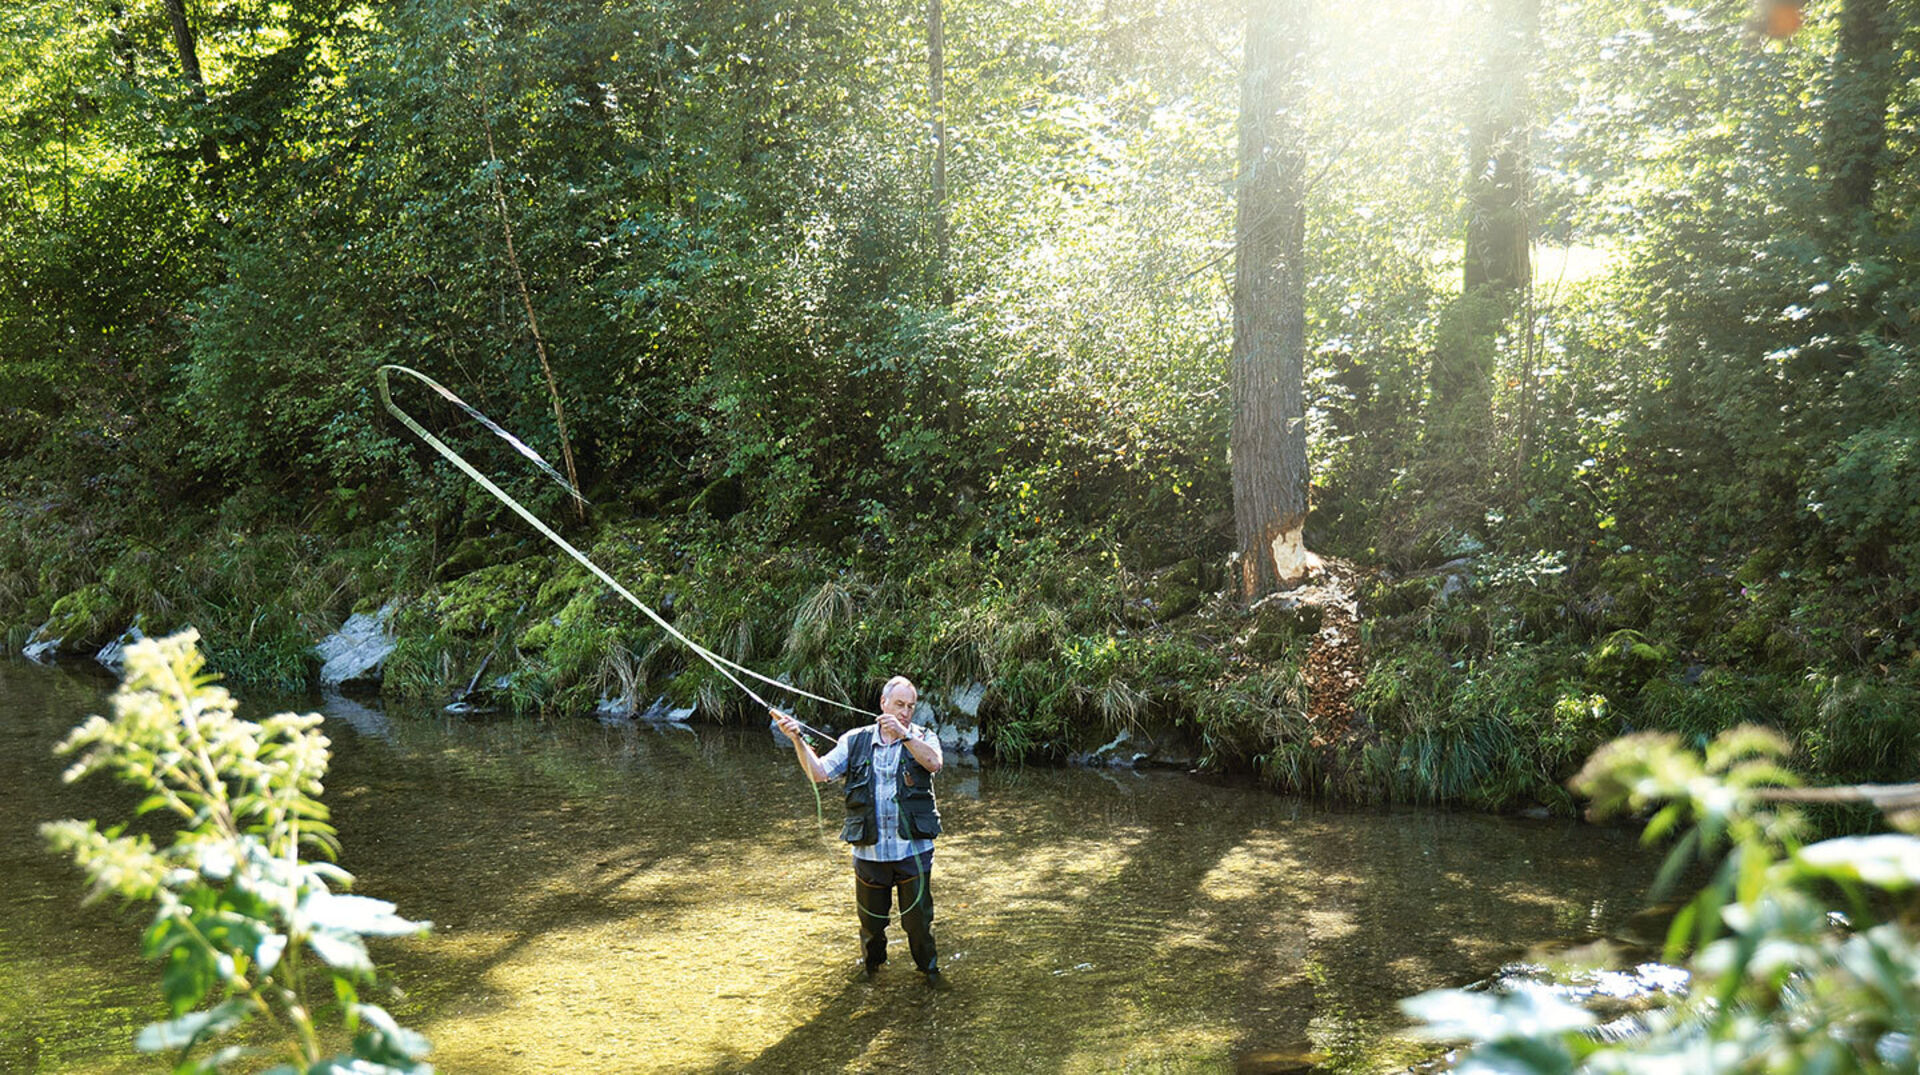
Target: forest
[{"x": 1394, "y": 402}]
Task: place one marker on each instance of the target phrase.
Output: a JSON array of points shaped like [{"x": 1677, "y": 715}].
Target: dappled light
[
  {"x": 1395, "y": 405},
  {"x": 606, "y": 896}
]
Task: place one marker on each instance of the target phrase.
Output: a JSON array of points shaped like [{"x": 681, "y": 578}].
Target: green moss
[
  {"x": 87, "y": 617},
  {"x": 488, "y": 599}
]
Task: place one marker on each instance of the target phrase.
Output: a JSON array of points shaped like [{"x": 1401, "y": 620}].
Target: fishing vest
[{"x": 913, "y": 796}]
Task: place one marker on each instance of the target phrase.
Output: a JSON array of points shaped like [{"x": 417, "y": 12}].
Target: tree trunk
[
  {"x": 1496, "y": 252},
  {"x": 1496, "y": 267},
  {"x": 533, "y": 323},
  {"x": 1855, "y": 134},
  {"x": 184, "y": 44},
  {"x": 122, "y": 44},
  {"x": 1269, "y": 439},
  {"x": 936, "y": 89},
  {"x": 189, "y": 50}
]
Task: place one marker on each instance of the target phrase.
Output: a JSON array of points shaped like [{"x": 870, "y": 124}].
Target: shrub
[
  {"x": 1801, "y": 957},
  {"x": 239, "y": 913}
]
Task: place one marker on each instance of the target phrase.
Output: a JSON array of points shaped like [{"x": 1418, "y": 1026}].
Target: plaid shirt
[{"x": 886, "y": 781}]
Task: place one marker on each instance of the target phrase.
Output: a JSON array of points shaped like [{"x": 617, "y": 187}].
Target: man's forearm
[
  {"x": 809, "y": 761},
  {"x": 926, "y": 752}
]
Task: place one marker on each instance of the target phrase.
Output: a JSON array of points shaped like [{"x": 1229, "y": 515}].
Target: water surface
[{"x": 641, "y": 900}]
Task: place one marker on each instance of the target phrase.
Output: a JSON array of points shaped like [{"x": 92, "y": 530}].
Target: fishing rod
[
  {"x": 724, "y": 666},
  {"x": 720, "y": 664}
]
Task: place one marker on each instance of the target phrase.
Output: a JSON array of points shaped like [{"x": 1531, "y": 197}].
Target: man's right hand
[{"x": 787, "y": 725}]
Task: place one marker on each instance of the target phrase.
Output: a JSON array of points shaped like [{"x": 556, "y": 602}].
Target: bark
[
  {"x": 1855, "y": 126},
  {"x": 1269, "y": 441},
  {"x": 936, "y": 89},
  {"x": 533, "y": 326},
  {"x": 184, "y": 44},
  {"x": 1496, "y": 266},
  {"x": 1497, "y": 160},
  {"x": 189, "y": 50},
  {"x": 122, "y": 44}
]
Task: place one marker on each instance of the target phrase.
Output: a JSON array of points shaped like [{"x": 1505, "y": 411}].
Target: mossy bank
[{"x": 1483, "y": 679}]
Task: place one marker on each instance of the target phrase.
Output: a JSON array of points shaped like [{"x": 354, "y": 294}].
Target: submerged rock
[
  {"x": 1120, "y": 753},
  {"x": 615, "y": 710},
  {"x": 1612, "y": 995},
  {"x": 114, "y": 654},
  {"x": 365, "y": 720},
  {"x": 356, "y": 653},
  {"x": 40, "y": 646},
  {"x": 662, "y": 713}
]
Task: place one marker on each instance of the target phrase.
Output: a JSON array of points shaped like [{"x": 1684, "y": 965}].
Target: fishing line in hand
[{"x": 720, "y": 664}]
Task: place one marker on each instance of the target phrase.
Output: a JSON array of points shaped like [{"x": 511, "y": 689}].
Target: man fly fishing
[{"x": 891, "y": 821}]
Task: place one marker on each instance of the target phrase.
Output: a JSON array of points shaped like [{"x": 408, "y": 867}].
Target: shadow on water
[{"x": 635, "y": 899}]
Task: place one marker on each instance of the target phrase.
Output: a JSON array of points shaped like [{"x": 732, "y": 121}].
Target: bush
[
  {"x": 239, "y": 912},
  {"x": 1801, "y": 957}
]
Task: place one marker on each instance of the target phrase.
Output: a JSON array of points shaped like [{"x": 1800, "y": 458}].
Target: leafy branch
[
  {"x": 1800, "y": 955},
  {"x": 236, "y": 904}
]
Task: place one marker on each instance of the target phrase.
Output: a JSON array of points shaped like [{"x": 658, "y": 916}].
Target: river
[{"x": 662, "y": 900}]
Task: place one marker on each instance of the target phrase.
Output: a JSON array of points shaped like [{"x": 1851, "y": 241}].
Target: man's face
[{"x": 900, "y": 704}]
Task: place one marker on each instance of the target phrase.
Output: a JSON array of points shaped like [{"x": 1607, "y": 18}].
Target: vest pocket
[
  {"x": 923, "y": 824},
  {"x": 854, "y": 831}
]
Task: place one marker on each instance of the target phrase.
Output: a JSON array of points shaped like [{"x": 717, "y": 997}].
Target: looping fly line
[{"x": 720, "y": 664}]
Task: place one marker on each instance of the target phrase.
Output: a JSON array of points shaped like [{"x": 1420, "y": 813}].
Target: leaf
[
  {"x": 387, "y": 1040},
  {"x": 268, "y": 952},
  {"x": 1527, "y": 1012},
  {"x": 1517, "y": 1058},
  {"x": 213, "y": 1062},
  {"x": 1889, "y": 860},
  {"x": 363, "y": 915},
  {"x": 192, "y": 1027},
  {"x": 187, "y": 977},
  {"x": 341, "y": 951},
  {"x": 1679, "y": 931}
]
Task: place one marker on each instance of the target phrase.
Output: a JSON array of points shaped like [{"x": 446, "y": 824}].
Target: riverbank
[{"x": 1481, "y": 679}]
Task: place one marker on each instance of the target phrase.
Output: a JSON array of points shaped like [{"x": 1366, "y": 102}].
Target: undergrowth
[{"x": 1486, "y": 693}]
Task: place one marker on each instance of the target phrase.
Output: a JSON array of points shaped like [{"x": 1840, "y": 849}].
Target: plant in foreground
[
  {"x": 1802, "y": 956},
  {"x": 238, "y": 912}
]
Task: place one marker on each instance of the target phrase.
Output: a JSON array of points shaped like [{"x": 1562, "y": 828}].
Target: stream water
[{"x": 631, "y": 899}]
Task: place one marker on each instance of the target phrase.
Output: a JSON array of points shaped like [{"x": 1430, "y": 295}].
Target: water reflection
[{"x": 645, "y": 899}]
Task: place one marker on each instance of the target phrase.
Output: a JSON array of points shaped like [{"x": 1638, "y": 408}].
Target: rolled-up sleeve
[
  {"x": 925, "y": 735},
  {"x": 835, "y": 761}
]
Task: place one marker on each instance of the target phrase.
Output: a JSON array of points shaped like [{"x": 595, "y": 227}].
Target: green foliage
[
  {"x": 1801, "y": 956},
  {"x": 1687, "y": 502},
  {"x": 239, "y": 913}
]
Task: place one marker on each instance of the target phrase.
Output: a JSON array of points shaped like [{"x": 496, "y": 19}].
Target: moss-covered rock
[
  {"x": 1626, "y": 660},
  {"x": 1174, "y": 597},
  {"x": 84, "y": 619},
  {"x": 1398, "y": 597}
]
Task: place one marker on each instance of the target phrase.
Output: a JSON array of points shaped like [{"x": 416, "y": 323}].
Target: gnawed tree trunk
[
  {"x": 1855, "y": 126},
  {"x": 1269, "y": 439}
]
